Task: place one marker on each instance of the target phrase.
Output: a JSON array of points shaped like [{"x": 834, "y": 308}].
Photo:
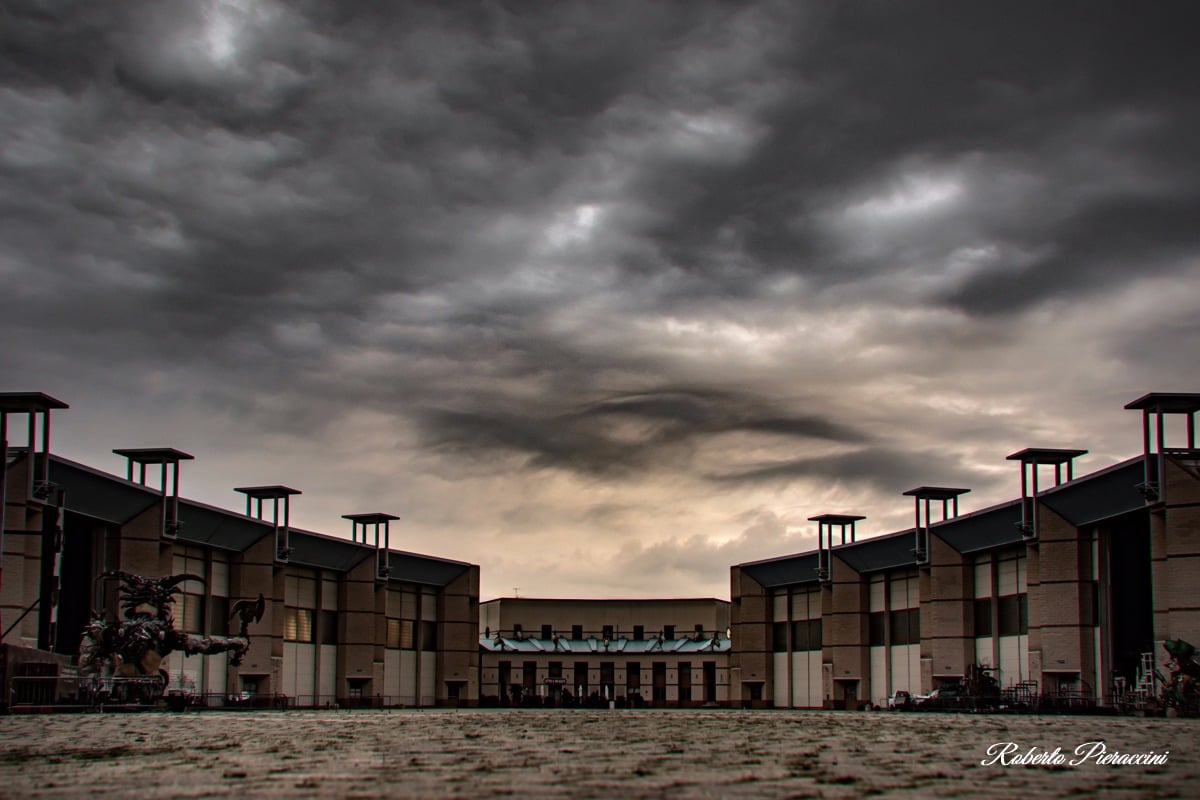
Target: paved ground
[{"x": 626, "y": 754}]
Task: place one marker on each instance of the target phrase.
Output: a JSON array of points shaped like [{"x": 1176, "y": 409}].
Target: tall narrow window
[
  {"x": 779, "y": 638},
  {"x": 297, "y": 625}
]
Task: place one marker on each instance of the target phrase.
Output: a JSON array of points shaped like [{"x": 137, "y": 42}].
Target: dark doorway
[
  {"x": 1130, "y": 594},
  {"x": 710, "y": 681},
  {"x": 77, "y": 580},
  {"x": 659, "y": 686},
  {"x": 685, "y": 683}
]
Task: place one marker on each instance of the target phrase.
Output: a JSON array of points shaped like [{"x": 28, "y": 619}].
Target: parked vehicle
[
  {"x": 900, "y": 701},
  {"x": 946, "y": 697}
]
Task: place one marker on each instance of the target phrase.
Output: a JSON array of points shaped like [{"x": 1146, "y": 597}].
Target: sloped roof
[
  {"x": 327, "y": 552},
  {"x": 1099, "y": 495},
  {"x": 879, "y": 552},
  {"x": 427, "y": 570},
  {"x": 98, "y": 494},
  {"x": 784, "y": 571},
  {"x": 204, "y": 524},
  {"x": 981, "y": 530}
]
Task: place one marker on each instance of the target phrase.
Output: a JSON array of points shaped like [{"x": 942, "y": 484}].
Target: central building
[{"x": 551, "y": 652}]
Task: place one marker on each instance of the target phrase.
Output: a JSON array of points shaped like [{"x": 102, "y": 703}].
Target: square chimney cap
[
  {"x": 28, "y": 402},
  {"x": 935, "y": 492},
  {"x": 1045, "y": 455},
  {"x": 155, "y": 455},
  {"x": 266, "y": 492},
  {"x": 370, "y": 519},
  {"x": 836, "y": 519},
  {"x": 1167, "y": 402}
]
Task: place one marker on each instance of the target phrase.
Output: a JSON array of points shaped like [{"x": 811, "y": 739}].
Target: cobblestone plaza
[{"x": 629, "y": 754}]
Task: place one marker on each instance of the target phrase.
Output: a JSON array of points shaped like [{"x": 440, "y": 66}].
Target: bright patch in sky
[{"x": 914, "y": 196}]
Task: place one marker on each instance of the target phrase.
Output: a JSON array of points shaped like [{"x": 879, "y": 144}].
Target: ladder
[{"x": 1146, "y": 676}]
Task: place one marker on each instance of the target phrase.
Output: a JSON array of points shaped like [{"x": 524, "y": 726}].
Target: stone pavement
[{"x": 577, "y": 754}]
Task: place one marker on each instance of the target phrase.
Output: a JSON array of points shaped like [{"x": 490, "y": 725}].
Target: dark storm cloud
[
  {"x": 1026, "y": 86},
  {"x": 879, "y": 468},
  {"x": 662, "y": 428}
]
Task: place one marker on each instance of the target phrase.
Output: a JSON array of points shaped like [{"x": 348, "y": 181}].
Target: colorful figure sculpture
[
  {"x": 1182, "y": 690},
  {"x": 133, "y": 648}
]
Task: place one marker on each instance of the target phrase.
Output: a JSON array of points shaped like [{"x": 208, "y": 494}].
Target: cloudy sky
[{"x": 603, "y": 297}]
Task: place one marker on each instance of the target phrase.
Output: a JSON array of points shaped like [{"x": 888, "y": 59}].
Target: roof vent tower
[
  {"x": 1159, "y": 404},
  {"x": 363, "y": 522},
  {"x": 32, "y": 404},
  {"x": 825, "y": 526},
  {"x": 1032, "y": 460},
  {"x": 948, "y": 496},
  {"x": 36, "y": 489},
  {"x": 275, "y": 493},
  {"x": 167, "y": 458}
]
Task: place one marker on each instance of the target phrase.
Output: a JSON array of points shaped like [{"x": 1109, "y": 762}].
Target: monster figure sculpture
[
  {"x": 132, "y": 649},
  {"x": 1182, "y": 690}
]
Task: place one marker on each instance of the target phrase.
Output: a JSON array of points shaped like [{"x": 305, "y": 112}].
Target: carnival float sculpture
[
  {"x": 124, "y": 656},
  {"x": 1182, "y": 690}
]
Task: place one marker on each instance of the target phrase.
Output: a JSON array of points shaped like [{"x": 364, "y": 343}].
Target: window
[
  {"x": 218, "y": 616},
  {"x": 906, "y": 626},
  {"x": 1013, "y": 615},
  {"x": 399, "y": 634},
  {"x": 518, "y": 631},
  {"x": 576, "y": 631},
  {"x": 779, "y": 642},
  {"x": 699, "y": 630},
  {"x": 806, "y": 635},
  {"x": 393, "y": 634},
  {"x": 429, "y": 639},
  {"x": 607, "y": 632},
  {"x": 547, "y": 632},
  {"x": 556, "y": 669},
  {"x": 327, "y": 627},
  {"x": 633, "y": 677},
  {"x": 297, "y": 625},
  {"x": 877, "y": 624},
  {"x": 639, "y": 632},
  {"x": 983, "y": 616},
  {"x": 668, "y": 631},
  {"x": 191, "y": 613}
]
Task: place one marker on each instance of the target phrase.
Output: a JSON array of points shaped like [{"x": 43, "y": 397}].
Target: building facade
[
  {"x": 1060, "y": 593},
  {"x": 345, "y": 621},
  {"x": 629, "y": 652}
]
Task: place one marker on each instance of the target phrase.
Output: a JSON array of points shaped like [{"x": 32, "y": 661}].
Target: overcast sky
[{"x": 603, "y": 297}]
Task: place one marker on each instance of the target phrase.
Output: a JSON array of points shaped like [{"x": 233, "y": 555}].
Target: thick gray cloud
[{"x": 571, "y": 286}]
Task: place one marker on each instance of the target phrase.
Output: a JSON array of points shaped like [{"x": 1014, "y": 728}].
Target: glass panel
[
  {"x": 393, "y": 634},
  {"x": 779, "y": 637},
  {"x": 407, "y": 640},
  {"x": 983, "y": 617}
]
